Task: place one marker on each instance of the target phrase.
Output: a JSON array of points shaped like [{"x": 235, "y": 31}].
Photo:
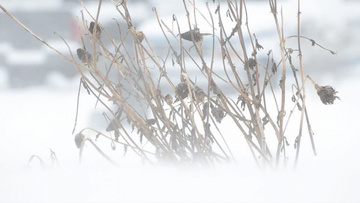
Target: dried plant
[
  {"x": 326, "y": 93},
  {"x": 189, "y": 123}
]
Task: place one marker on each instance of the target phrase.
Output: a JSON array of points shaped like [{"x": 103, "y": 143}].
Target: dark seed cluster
[
  {"x": 182, "y": 90},
  {"x": 327, "y": 94}
]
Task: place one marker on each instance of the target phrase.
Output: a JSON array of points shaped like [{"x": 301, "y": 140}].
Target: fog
[{"x": 38, "y": 108}]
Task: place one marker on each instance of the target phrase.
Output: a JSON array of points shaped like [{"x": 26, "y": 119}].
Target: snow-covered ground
[{"x": 37, "y": 119}]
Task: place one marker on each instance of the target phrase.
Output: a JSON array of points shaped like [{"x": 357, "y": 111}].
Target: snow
[
  {"x": 34, "y": 5},
  {"x": 16, "y": 57},
  {"x": 37, "y": 119},
  {"x": 33, "y": 57}
]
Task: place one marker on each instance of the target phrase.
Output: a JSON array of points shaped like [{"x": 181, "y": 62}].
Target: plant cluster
[{"x": 189, "y": 123}]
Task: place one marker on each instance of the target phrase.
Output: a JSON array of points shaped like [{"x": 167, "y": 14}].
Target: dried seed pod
[
  {"x": 274, "y": 68},
  {"x": 169, "y": 99},
  {"x": 195, "y": 33},
  {"x": 251, "y": 63},
  {"x": 95, "y": 32},
  {"x": 113, "y": 125},
  {"x": 151, "y": 121},
  {"x": 215, "y": 89},
  {"x": 265, "y": 120},
  {"x": 84, "y": 56},
  {"x": 182, "y": 90},
  {"x": 258, "y": 46},
  {"x": 199, "y": 94},
  {"x": 79, "y": 138},
  {"x": 243, "y": 102},
  {"x": 158, "y": 94},
  {"x": 205, "y": 110},
  {"x": 140, "y": 36},
  {"x": 282, "y": 82},
  {"x": 218, "y": 113},
  {"x": 326, "y": 93}
]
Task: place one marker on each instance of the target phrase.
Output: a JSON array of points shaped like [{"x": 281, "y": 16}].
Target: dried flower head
[
  {"x": 199, "y": 94},
  {"x": 215, "y": 89},
  {"x": 182, "y": 90},
  {"x": 243, "y": 102},
  {"x": 218, "y": 113},
  {"x": 140, "y": 36},
  {"x": 251, "y": 63},
  {"x": 84, "y": 56},
  {"x": 79, "y": 138},
  {"x": 151, "y": 121},
  {"x": 113, "y": 125},
  {"x": 205, "y": 110},
  {"x": 273, "y": 67},
  {"x": 326, "y": 93},
  {"x": 258, "y": 46},
  {"x": 94, "y": 32},
  {"x": 169, "y": 99}
]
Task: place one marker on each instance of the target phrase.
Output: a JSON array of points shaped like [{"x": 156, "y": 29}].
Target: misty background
[{"x": 38, "y": 91}]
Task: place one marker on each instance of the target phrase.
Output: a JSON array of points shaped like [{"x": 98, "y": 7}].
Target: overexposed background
[{"x": 38, "y": 93}]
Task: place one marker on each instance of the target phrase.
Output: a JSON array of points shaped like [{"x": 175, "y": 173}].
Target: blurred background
[{"x": 25, "y": 62}]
